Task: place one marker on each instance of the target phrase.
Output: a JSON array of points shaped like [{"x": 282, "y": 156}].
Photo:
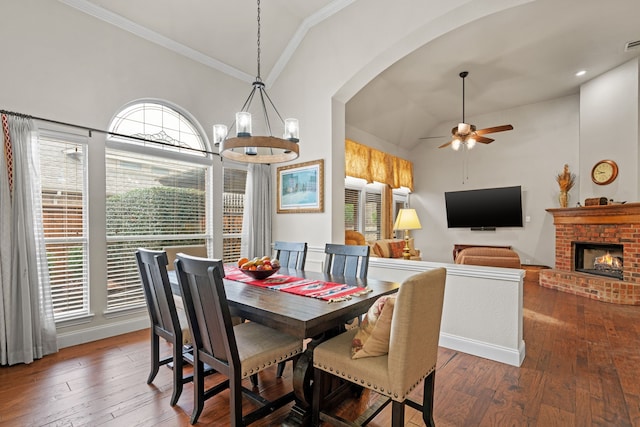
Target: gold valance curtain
[{"x": 375, "y": 165}]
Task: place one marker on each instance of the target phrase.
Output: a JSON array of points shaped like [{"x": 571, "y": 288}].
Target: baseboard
[
  {"x": 82, "y": 336},
  {"x": 481, "y": 349}
]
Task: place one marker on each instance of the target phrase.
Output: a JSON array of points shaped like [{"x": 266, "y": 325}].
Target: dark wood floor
[{"x": 582, "y": 369}]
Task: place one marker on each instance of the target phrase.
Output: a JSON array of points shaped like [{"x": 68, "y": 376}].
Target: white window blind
[
  {"x": 63, "y": 179},
  {"x": 235, "y": 181},
  {"x": 363, "y": 211},
  {"x": 152, "y": 202},
  {"x": 157, "y": 192},
  {"x": 372, "y": 216},
  {"x": 351, "y": 209}
]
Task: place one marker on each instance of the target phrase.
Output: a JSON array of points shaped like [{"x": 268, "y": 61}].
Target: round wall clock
[{"x": 604, "y": 172}]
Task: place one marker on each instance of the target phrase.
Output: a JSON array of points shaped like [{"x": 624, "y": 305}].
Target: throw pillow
[
  {"x": 396, "y": 249},
  {"x": 382, "y": 249},
  {"x": 372, "y": 338},
  {"x": 373, "y": 248}
]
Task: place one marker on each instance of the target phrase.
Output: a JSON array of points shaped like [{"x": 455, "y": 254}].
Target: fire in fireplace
[{"x": 602, "y": 259}]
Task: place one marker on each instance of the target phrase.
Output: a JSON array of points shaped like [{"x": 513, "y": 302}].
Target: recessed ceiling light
[{"x": 581, "y": 73}]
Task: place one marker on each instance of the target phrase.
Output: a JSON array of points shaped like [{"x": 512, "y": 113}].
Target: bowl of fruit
[{"x": 259, "y": 268}]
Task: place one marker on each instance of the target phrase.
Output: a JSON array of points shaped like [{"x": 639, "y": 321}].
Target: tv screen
[{"x": 485, "y": 208}]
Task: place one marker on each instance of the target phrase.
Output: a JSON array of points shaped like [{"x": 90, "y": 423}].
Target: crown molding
[
  {"x": 154, "y": 37},
  {"x": 308, "y": 23},
  {"x": 119, "y": 21}
]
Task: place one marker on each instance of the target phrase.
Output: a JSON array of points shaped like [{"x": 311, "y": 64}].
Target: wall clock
[{"x": 604, "y": 172}]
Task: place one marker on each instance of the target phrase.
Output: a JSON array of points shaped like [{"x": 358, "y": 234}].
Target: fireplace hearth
[{"x": 599, "y": 258}]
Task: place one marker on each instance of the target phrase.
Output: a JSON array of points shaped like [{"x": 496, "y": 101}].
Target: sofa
[
  {"x": 393, "y": 248},
  {"x": 383, "y": 248},
  {"x": 489, "y": 256}
]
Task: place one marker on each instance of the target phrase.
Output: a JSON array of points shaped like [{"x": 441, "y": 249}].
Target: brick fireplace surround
[{"x": 611, "y": 224}]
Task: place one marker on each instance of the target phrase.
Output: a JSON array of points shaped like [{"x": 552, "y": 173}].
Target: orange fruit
[{"x": 242, "y": 261}]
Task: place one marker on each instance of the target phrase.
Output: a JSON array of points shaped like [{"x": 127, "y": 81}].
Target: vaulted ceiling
[{"x": 523, "y": 55}]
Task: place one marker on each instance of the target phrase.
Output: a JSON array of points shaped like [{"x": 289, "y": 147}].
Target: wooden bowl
[{"x": 260, "y": 274}]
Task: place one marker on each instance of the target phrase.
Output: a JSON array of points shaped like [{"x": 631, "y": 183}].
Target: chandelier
[{"x": 249, "y": 148}]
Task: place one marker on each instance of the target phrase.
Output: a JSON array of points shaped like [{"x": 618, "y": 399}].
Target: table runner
[{"x": 328, "y": 291}]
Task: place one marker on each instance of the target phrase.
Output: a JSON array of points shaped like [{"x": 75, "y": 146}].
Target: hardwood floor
[{"x": 581, "y": 369}]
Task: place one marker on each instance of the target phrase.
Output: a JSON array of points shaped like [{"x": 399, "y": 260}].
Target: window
[
  {"x": 400, "y": 201},
  {"x": 64, "y": 183},
  {"x": 372, "y": 215},
  {"x": 363, "y": 208},
  {"x": 351, "y": 209},
  {"x": 157, "y": 193},
  {"x": 233, "y": 194}
]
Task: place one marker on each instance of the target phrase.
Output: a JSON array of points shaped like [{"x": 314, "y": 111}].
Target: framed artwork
[{"x": 301, "y": 187}]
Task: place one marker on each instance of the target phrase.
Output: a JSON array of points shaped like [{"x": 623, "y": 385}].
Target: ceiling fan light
[
  {"x": 455, "y": 144},
  {"x": 471, "y": 142},
  {"x": 464, "y": 128}
]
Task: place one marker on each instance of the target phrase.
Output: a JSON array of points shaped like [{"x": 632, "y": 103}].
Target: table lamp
[{"x": 406, "y": 220}]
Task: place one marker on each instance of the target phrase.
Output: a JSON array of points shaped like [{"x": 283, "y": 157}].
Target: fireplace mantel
[{"x": 628, "y": 213}]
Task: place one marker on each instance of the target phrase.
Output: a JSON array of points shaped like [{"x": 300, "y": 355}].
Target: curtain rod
[{"x": 89, "y": 129}]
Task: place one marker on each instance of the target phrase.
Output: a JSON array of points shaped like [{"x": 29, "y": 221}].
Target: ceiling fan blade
[
  {"x": 484, "y": 140},
  {"x": 433, "y": 137},
  {"x": 494, "y": 129},
  {"x": 445, "y": 145}
]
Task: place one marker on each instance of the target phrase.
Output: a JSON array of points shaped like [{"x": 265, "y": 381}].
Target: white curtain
[
  {"x": 27, "y": 327},
  {"x": 256, "y": 223}
]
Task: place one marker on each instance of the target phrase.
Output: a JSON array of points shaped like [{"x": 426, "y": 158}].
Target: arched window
[{"x": 157, "y": 191}]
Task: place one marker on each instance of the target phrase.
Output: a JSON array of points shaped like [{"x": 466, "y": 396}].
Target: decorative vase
[{"x": 563, "y": 198}]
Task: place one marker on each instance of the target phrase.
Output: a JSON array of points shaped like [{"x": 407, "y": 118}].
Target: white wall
[
  {"x": 544, "y": 138},
  {"x": 61, "y": 64},
  {"x": 609, "y": 130},
  {"x": 335, "y": 60},
  {"x": 482, "y": 312}
]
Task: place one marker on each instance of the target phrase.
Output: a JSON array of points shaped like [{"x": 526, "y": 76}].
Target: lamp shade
[{"x": 407, "y": 219}]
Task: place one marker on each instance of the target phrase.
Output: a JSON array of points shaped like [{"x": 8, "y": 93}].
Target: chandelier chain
[{"x": 258, "y": 41}]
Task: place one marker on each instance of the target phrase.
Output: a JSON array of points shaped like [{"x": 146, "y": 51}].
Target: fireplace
[
  {"x": 602, "y": 259},
  {"x": 607, "y": 267}
]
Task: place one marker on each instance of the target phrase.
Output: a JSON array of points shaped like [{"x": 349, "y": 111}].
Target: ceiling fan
[{"x": 466, "y": 135}]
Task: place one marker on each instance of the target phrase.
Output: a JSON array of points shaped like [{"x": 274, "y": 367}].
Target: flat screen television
[{"x": 484, "y": 209}]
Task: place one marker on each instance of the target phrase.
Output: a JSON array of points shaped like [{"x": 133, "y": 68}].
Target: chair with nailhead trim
[
  {"x": 413, "y": 351},
  {"x": 234, "y": 351}
]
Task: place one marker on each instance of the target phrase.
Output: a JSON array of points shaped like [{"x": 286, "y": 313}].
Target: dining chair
[
  {"x": 234, "y": 351},
  {"x": 411, "y": 358},
  {"x": 346, "y": 260},
  {"x": 291, "y": 254},
  {"x": 195, "y": 250},
  {"x": 166, "y": 320}
]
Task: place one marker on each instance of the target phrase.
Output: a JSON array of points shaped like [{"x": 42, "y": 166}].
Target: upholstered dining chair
[
  {"x": 411, "y": 358},
  {"x": 346, "y": 260},
  {"x": 291, "y": 254},
  {"x": 172, "y": 251},
  {"x": 166, "y": 320},
  {"x": 234, "y": 351}
]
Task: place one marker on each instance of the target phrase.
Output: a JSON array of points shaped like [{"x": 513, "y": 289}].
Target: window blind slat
[{"x": 62, "y": 169}]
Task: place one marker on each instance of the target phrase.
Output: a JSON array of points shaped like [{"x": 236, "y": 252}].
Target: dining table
[{"x": 311, "y": 319}]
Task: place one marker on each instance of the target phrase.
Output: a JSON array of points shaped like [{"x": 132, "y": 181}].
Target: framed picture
[{"x": 301, "y": 187}]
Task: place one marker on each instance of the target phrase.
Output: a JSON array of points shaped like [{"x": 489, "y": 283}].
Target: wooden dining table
[{"x": 303, "y": 317}]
